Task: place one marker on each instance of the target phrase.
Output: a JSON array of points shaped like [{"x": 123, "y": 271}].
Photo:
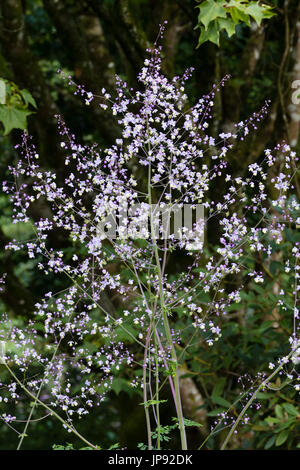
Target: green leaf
[
  {"x": 219, "y": 387},
  {"x": 153, "y": 402},
  {"x": 259, "y": 12},
  {"x": 191, "y": 423},
  {"x": 142, "y": 446},
  {"x": 239, "y": 4},
  {"x": 282, "y": 437},
  {"x": 2, "y": 92},
  {"x": 114, "y": 446},
  {"x": 217, "y": 15},
  {"x": 291, "y": 409},
  {"x": 211, "y": 34},
  {"x": 227, "y": 24},
  {"x": 279, "y": 411},
  {"x": 13, "y": 118},
  {"x": 238, "y": 15},
  {"x": 270, "y": 442},
  {"x": 211, "y": 10},
  {"x": 62, "y": 447},
  {"x": 221, "y": 401},
  {"x": 271, "y": 420},
  {"x": 28, "y": 98}
]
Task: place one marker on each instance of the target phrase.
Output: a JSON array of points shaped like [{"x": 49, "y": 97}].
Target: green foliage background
[{"x": 92, "y": 40}]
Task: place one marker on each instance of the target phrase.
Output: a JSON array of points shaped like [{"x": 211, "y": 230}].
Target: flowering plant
[{"x": 165, "y": 157}]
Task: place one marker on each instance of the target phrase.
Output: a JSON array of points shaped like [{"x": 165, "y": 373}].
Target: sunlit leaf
[
  {"x": 13, "y": 118},
  {"x": 211, "y": 10}
]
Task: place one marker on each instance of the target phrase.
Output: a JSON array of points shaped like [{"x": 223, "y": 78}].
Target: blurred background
[{"x": 92, "y": 40}]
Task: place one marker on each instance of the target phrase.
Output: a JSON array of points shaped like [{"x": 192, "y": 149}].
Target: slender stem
[
  {"x": 146, "y": 408},
  {"x": 52, "y": 412},
  {"x": 157, "y": 395},
  {"x": 34, "y": 403},
  {"x": 251, "y": 400},
  {"x": 174, "y": 369},
  {"x": 167, "y": 368},
  {"x": 29, "y": 417}
]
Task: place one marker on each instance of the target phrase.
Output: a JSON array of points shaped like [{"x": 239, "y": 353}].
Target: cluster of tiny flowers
[
  {"x": 164, "y": 155},
  {"x": 73, "y": 379},
  {"x": 2, "y": 282}
]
